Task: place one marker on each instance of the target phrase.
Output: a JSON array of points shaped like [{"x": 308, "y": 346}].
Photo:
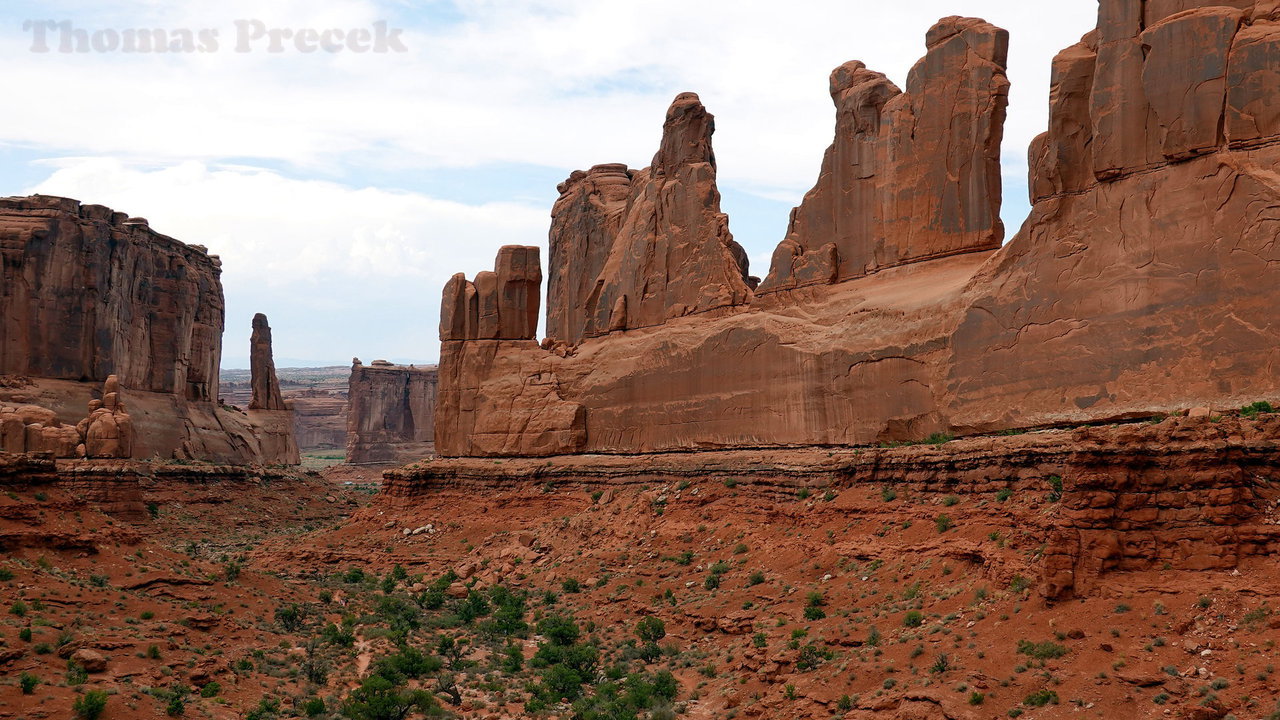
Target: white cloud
[{"x": 308, "y": 249}]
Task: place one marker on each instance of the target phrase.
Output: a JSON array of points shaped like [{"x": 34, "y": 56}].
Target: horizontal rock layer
[{"x": 1190, "y": 493}]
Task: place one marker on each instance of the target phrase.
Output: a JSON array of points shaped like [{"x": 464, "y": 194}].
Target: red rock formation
[
  {"x": 1142, "y": 283},
  {"x": 87, "y": 293},
  {"x": 390, "y": 413},
  {"x": 499, "y": 305},
  {"x": 632, "y": 249},
  {"x": 584, "y": 223},
  {"x": 266, "y": 387},
  {"x": 910, "y": 176},
  {"x": 108, "y": 431}
]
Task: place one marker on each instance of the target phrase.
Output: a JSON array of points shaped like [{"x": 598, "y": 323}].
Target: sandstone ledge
[{"x": 1183, "y": 493}]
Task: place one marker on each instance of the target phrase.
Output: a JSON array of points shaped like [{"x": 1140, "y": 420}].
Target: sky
[{"x": 342, "y": 189}]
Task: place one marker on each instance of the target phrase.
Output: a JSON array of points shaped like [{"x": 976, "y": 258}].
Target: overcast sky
[{"x": 342, "y": 189}]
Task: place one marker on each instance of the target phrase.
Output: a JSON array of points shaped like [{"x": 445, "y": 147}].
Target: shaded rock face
[
  {"x": 498, "y": 305},
  {"x": 584, "y": 223},
  {"x": 391, "y": 413},
  {"x": 1143, "y": 282},
  {"x": 90, "y": 296},
  {"x": 88, "y": 292},
  {"x": 265, "y": 384},
  {"x": 632, "y": 249},
  {"x": 910, "y": 176}
]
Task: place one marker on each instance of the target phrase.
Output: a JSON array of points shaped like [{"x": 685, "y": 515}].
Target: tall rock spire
[{"x": 262, "y": 368}]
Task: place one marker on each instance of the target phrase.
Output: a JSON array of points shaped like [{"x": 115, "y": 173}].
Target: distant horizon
[{"x": 301, "y": 364}]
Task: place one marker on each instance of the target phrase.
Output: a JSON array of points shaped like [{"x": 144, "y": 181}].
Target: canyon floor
[{"x": 312, "y": 595}]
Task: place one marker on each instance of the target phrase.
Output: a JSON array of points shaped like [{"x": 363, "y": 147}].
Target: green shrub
[
  {"x": 211, "y": 690},
  {"x": 813, "y": 612},
  {"x": 1047, "y": 650},
  {"x": 1019, "y": 584},
  {"x": 6, "y": 574},
  {"x": 651, "y": 629},
  {"x": 18, "y": 608},
  {"x": 90, "y": 705},
  {"x": 290, "y": 617},
  {"x": 977, "y": 698},
  {"x": 28, "y": 683},
  {"x": 1255, "y": 409},
  {"x": 312, "y": 707},
  {"x": 571, "y": 586},
  {"x": 944, "y": 523},
  {"x": 1003, "y": 494},
  {"x": 913, "y": 618},
  {"x": 76, "y": 674},
  {"x": 1040, "y": 698},
  {"x": 1055, "y": 488}
]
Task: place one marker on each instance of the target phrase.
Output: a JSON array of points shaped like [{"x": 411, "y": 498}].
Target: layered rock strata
[
  {"x": 390, "y": 413},
  {"x": 1142, "y": 283},
  {"x": 1184, "y": 494},
  {"x": 88, "y": 294},
  {"x": 911, "y": 175}
]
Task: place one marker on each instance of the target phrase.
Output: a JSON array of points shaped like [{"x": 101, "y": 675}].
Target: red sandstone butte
[
  {"x": 390, "y": 412},
  {"x": 1143, "y": 282},
  {"x": 632, "y": 249},
  {"x": 910, "y": 176},
  {"x": 91, "y": 296}
]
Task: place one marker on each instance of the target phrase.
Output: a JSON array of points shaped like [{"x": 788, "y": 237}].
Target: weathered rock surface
[
  {"x": 262, "y": 366},
  {"x": 584, "y": 223},
  {"x": 632, "y": 249},
  {"x": 88, "y": 294},
  {"x": 499, "y": 305},
  {"x": 1142, "y": 283},
  {"x": 1180, "y": 494},
  {"x": 910, "y": 176},
  {"x": 391, "y": 413}
]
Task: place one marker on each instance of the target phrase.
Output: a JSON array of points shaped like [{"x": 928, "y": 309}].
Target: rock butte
[
  {"x": 1142, "y": 283},
  {"x": 391, "y": 412},
  {"x": 91, "y": 297}
]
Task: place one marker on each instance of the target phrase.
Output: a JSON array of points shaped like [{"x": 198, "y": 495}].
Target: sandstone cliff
[
  {"x": 88, "y": 295},
  {"x": 1141, "y": 284},
  {"x": 910, "y": 176},
  {"x": 89, "y": 292},
  {"x": 390, "y": 413},
  {"x": 632, "y": 249}
]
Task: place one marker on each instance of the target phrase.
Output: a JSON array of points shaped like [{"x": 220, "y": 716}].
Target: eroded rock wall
[
  {"x": 1143, "y": 282},
  {"x": 88, "y": 294},
  {"x": 910, "y": 176},
  {"x": 390, "y": 413}
]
